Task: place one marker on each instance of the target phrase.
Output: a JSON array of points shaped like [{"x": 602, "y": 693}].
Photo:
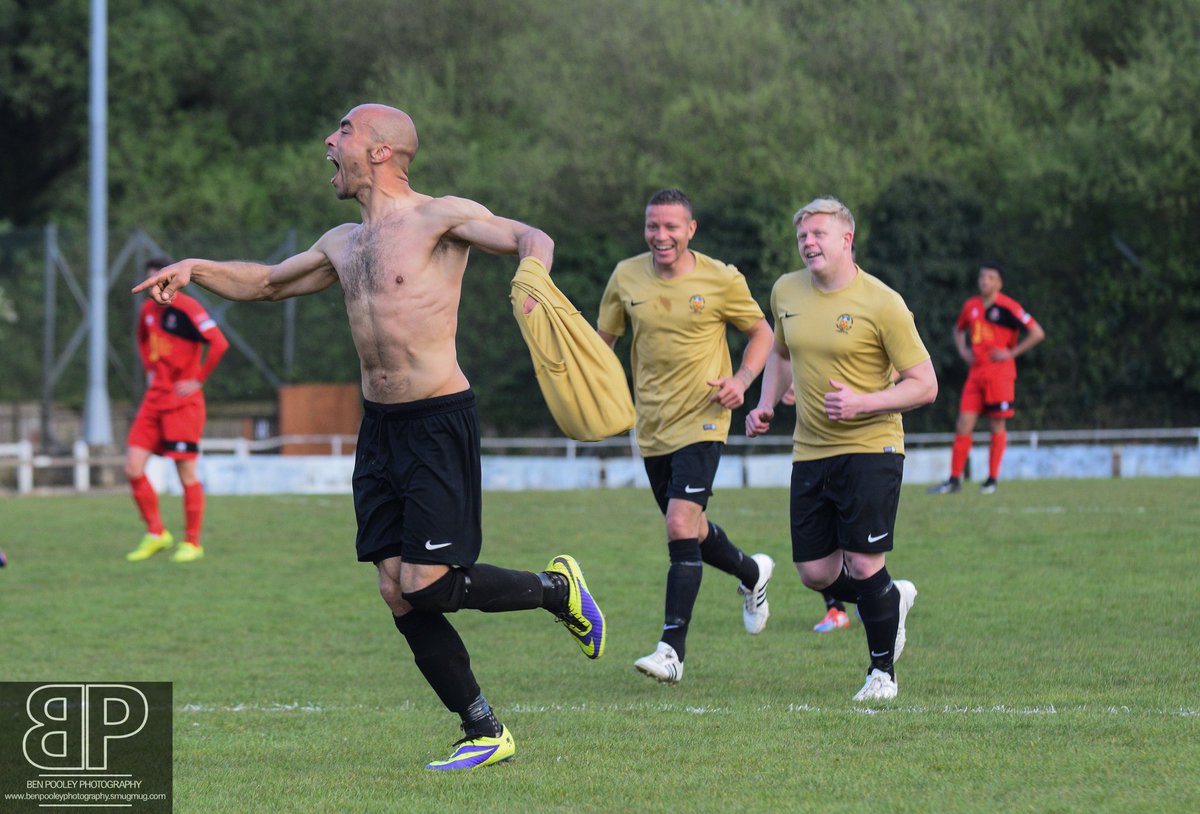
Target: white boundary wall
[
  {"x": 274, "y": 474},
  {"x": 555, "y": 463}
]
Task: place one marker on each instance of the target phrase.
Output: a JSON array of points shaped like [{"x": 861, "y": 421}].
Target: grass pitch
[{"x": 1051, "y": 662}]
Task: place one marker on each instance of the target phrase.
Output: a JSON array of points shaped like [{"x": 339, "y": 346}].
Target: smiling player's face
[
  {"x": 669, "y": 228},
  {"x": 822, "y": 240}
]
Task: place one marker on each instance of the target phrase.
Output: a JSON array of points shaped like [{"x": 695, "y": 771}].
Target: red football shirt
[
  {"x": 171, "y": 341},
  {"x": 995, "y": 326}
]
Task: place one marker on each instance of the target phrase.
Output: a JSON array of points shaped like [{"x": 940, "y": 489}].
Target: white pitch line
[
  {"x": 1065, "y": 510},
  {"x": 540, "y": 709}
]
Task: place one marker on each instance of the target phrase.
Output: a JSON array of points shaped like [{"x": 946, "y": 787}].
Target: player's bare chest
[{"x": 382, "y": 258}]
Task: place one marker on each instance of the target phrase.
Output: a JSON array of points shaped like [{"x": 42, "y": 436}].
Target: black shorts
[
  {"x": 685, "y": 474},
  {"x": 417, "y": 491},
  {"x": 846, "y": 502}
]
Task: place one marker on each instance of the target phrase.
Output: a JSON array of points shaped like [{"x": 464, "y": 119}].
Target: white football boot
[
  {"x": 755, "y": 609},
  {"x": 879, "y": 685},
  {"x": 662, "y": 665}
]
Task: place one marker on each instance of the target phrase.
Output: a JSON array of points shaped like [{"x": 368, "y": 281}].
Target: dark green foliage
[
  {"x": 1058, "y": 138},
  {"x": 926, "y": 242}
]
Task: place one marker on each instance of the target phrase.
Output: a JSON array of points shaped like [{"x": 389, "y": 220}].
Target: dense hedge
[{"x": 1060, "y": 138}]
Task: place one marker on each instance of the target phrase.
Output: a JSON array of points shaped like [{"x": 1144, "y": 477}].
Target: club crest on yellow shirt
[
  {"x": 696, "y": 303},
  {"x": 844, "y": 323}
]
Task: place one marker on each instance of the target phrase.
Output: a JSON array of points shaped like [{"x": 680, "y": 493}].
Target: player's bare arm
[
  {"x": 1033, "y": 336},
  {"x": 960, "y": 344},
  {"x": 305, "y": 273},
  {"x": 777, "y": 378},
  {"x": 472, "y": 223},
  {"x": 731, "y": 390}
]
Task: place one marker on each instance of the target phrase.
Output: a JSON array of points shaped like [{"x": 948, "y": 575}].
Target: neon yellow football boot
[
  {"x": 187, "y": 552},
  {"x": 477, "y": 751},
  {"x": 582, "y": 616},
  {"x": 151, "y": 544}
]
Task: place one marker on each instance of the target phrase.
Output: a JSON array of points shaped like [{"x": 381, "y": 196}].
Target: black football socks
[
  {"x": 716, "y": 550},
  {"x": 441, "y": 657},
  {"x": 879, "y": 607},
  {"x": 683, "y": 585}
]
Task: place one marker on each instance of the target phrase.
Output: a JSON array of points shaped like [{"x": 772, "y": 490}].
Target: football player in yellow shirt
[
  {"x": 840, "y": 335},
  {"x": 679, "y": 304}
]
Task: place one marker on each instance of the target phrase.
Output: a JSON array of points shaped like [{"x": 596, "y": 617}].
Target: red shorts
[
  {"x": 174, "y": 432},
  {"x": 990, "y": 392}
]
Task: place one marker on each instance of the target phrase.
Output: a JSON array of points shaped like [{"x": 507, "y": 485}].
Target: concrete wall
[{"x": 324, "y": 474}]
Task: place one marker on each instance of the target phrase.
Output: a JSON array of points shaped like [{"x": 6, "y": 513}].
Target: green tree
[{"x": 1059, "y": 138}]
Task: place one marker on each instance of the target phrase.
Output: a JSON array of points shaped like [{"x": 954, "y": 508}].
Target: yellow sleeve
[
  {"x": 612, "y": 310},
  {"x": 741, "y": 309}
]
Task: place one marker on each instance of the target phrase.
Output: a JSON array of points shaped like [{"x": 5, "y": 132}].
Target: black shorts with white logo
[
  {"x": 685, "y": 474},
  {"x": 417, "y": 492},
  {"x": 846, "y": 502}
]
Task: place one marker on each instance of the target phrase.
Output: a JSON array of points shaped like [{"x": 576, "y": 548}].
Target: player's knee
[
  {"x": 443, "y": 595},
  {"x": 965, "y": 425},
  {"x": 813, "y": 583},
  {"x": 812, "y": 578},
  {"x": 390, "y": 591},
  {"x": 681, "y": 530},
  {"x": 683, "y": 523}
]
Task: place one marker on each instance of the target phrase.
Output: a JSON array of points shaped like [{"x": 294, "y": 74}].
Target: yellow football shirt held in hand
[{"x": 581, "y": 379}]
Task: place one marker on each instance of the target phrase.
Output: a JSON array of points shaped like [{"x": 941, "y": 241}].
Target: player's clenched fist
[{"x": 758, "y": 421}]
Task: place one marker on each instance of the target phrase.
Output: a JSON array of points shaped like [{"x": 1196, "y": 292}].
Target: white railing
[
  {"x": 22, "y": 457},
  {"x": 75, "y": 470},
  {"x": 244, "y": 447},
  {"x": 1032, "y": 438}
]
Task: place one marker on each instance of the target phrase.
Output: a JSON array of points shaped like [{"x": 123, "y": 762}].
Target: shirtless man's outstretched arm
[{"x": 305, "y": 273}]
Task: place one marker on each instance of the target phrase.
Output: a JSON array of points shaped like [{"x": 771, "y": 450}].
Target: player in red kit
[
  {"x": 986, "y": 336},
  {"x": 171, "y": 341}
]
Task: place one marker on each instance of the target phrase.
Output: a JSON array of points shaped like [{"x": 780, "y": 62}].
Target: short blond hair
[{"x": 825, "y": 206}]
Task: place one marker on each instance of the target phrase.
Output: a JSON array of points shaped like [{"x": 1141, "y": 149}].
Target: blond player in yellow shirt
[
  {"x": 840, "y": 334},
  {"x": 679, "y": 303}
]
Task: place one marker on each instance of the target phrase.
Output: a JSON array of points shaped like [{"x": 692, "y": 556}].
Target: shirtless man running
[{"x": 417, "y": 467}]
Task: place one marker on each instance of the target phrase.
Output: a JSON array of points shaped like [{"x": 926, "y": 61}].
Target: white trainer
[
  {"x": 908, "y": 595},
  {"x": 879, "y": 685},
  {"x": 755, "y": 609},
  {"x": 662, "y": 665}
]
